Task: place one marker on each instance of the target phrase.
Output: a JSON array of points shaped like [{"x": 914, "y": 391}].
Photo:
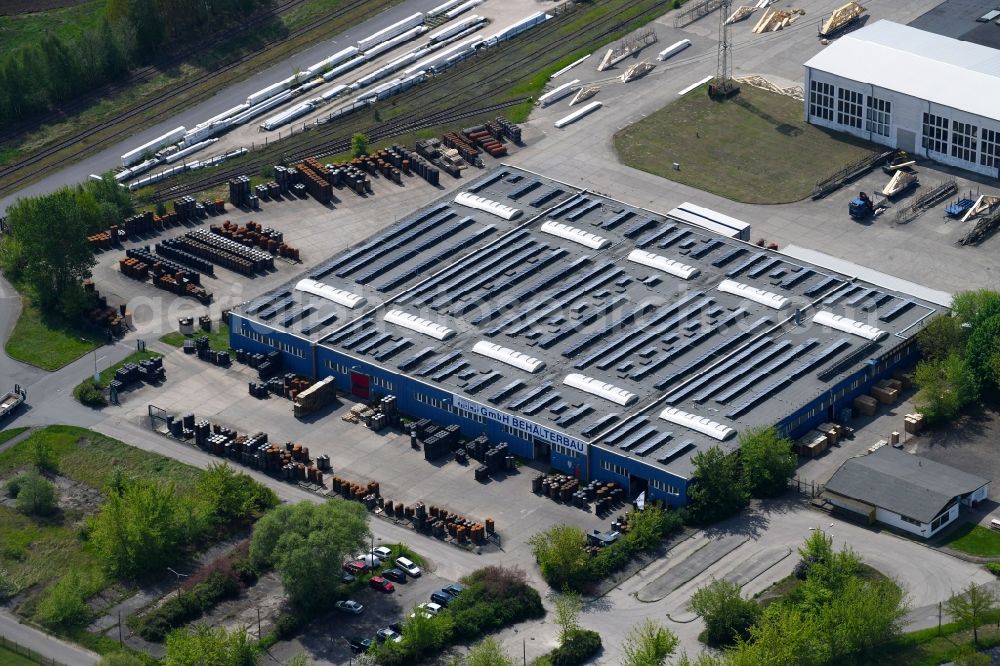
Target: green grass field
[
  {"x": 10, "y": 434},
  {"x": 22, "y": 30},
  {"x": 48, "y": 341},
  {"x": 218, "y": 338},
  {"x": 754, "y": 148},
  {"x": 9, "y": 658},
  {"x": 974, "y": 540}
]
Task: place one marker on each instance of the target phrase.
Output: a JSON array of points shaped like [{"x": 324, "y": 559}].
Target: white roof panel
[
  {"x": 617, "y": 395},
  {"x": 415, "y": 323},
  {"x": 339, "y": 296},
  {"x": 508, "y": 356},
  {"x": 943, "y": 70}
]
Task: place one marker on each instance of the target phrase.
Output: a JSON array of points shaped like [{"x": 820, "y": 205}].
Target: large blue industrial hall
[{"x": 602, "y": 339}]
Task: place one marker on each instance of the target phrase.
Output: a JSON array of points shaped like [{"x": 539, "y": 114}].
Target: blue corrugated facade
[{"x": 423, "y": 400}]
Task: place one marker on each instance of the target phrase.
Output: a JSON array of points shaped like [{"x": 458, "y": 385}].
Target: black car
[
  {"x": 395, "y": 575},
  {"x": 359, "y": 645},
  {"x": 397, "y": 627},
  {"x": 442, "y": 597},
  {"x": 346, "y": 578},
  {"x": 454, "y": 589}
]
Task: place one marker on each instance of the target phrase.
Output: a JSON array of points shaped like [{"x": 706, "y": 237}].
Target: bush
[
  {"x": 579, "y": 647},
  {"x": 727, "y": 615},
  {"x": 185, "y": 607},
  {"x": 36, "y": 496},
  {"x": 13, "y": 486},
  {"x": 495, "y": 597},
  {"x": 90, "y": 394},
  {"x": 64, "y": 607},
  {"x": 994, "y": 568},
  {"x": 121, "y": 659}
]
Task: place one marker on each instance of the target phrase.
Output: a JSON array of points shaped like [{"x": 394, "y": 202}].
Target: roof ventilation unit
[
  {"x": 338, "y": 296},
  {"x": 697, "y": 423},
  {"x": 661, "y": 263},
  {"x": 754, "y": 294},
  {"x": 827, "y": 318},
  {"x": 593, "y": 241},
  {"x": 508, "y": 356},
  {"x": 491, "y": 207},
  {"x": 415, "y": 323},
  {"x": 617, "y": 395}
]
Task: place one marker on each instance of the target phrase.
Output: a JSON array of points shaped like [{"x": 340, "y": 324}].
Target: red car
[
  {"x": 356, "y": 567},
  {"x": 381, "y": 584}
]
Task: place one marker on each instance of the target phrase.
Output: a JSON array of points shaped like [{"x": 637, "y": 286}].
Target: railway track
[
  {"x": 24, "y": 167},
  {"x": 540, "y": 51}
]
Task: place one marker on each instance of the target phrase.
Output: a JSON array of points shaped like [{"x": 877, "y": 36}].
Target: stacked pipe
[
  {"x": 186, "y": 208},
  {"x": 464, "y": 148},
  {"x": 239, "y": 191},
  {"x": 285, "y": 178},
  {"x": 314, "y": 178},
  {"x": 140, "y": 263},
  {"x": 254, "y": 235},
  {"x": 485, "y": 138}
]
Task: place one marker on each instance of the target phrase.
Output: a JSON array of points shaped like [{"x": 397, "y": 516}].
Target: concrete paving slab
[{"x": 688, "y": 568}]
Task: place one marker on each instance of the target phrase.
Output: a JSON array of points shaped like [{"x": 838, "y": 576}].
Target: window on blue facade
[{"x": 613, "y": 468}]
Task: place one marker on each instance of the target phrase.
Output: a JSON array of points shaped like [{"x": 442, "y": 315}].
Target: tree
[
  {"x": 64, "y": 606},
  {"x": 766, "y": 461},
  {"x": 359, "y": 145},
  {"x": 973, "y": 307},
  {"x": 982, "y": 352},
  {"x": 941, "y": 337},
  {"x": 232, "y": 496},
  {"x": 561, "y": 552},
  {"x": 715, "y": 491},
  {"x": 424, "y": 633},
  {"x": 970, "y": 607},
  {"x": 946, "y": 386},
  {"x": 204, "y": 646},
  {"x": 141, "y": 530},
  {"x": 969, "y": 656},
  {"x": 648, "y": 644},
  {"x": 306, "y": 543},
  {"x": 862, "y": 616},
  {"x": 727, "y": 615},
  {"x": 52, "y": 263},
  {"x": 43, "y": 457},
  {"x": 36, "y": 496},
  {"x": 120, "y": 659},
  {"x": 568, "y": 606},
  {"x": 487, "y": 652}
]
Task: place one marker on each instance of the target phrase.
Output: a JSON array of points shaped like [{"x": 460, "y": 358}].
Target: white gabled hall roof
[{"x": 914, "y": 62}]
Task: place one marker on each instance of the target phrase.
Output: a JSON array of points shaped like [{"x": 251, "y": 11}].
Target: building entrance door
[
  {"x": 543, "y": 450},
  {"x": 906, "y": 140}
]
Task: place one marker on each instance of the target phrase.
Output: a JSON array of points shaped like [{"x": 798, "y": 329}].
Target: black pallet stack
[
  {"x": 239, "y": 191},
  {"x": 259, "y": 390},
  {"x": 172, "y": 248},
  {"x": 138, "y": 224},
  {"x": 477, "y": 448},
  {"x": 436, "y": 445},
  {"x": 496, "y": 458},
  {"x": 159, "y": 266},
  {"x": 271, "y": 366},
  {"x": 509, "y": 129},
  {"x": 390, "y": 410},
  {"x": 152, "y": 371},
  {"x": 186, "y": 208},
  {"x": 285, "y": 178}
]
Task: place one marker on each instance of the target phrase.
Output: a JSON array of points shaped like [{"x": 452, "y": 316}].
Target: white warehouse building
[{"x": 910, "y": 89}]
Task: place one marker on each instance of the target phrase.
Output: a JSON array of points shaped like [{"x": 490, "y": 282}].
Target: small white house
[
  {"x": 904, "y": 491},
  {"x": 910, "y": 89}
]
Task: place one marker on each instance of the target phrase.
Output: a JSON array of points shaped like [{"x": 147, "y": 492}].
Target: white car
[
  {"x": 408, "y": 566},
  {"x": 382, "y": 553},
  {"x": 428, "y": 610}
]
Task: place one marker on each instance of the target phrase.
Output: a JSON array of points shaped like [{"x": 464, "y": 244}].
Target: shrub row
[
  {"x": 579, "y": 647},
  {"x": 185, "y": 607}
]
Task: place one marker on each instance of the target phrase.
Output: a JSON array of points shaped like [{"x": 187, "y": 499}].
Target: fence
[
  {"x": 810, "y": 489},
  {"x": 18, "y": 649}
]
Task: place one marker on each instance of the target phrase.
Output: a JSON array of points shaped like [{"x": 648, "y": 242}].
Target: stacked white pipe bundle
[
  {"x": 557, "y": 94},
  {"x": 441, "y": 9},
  {"x": 389, "y": 45},
  {"x": 576, "y": 115},
  {"x": 387, "y": 33},
  {"x": 673, "y": 49},
  {"x": 462, "y": 8},
  {"x": 171, "y": 137},
  {"x": 455, "y": 28},
  {"x": 344, "y": 67},
  {"x": 334, "y": 60},
  {"x": 288, "y": 115},
  {"x": 261, "y": 108},
  {"x": 441, "y": 57},
  {"x": 382, "y": 72},
  {"x": 180, "y": 154},
  {"x": 513, "y": 29}
]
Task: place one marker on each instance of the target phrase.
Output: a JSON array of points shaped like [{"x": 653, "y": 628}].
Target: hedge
[
  {"x": 579, "y": 646},
  {"x": 185, "y": 607}
]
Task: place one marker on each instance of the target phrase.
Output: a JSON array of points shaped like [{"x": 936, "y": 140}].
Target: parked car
[
  {"x": 382, "y": 552},
  {"x": 349, "y": 606},
  {"x": 355, "y": 567},
  {"x": 396, "y": 575},
  {"x": 454, "y": 589},
  {"x": 408, "y": 566},
  {"x": 427, "y": 610},
  {"x": 346, "y": 578},
  {"x": 369, "y": 560},
  {"x": 359, "y": 644},
  {"x": 387, "y": 634},
  {"x": 381, "y": 584},
  {"x": 397, "y": 627},
  {"x": 441, "y": 597}
]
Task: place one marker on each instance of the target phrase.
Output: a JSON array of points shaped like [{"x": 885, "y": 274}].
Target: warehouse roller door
[{"x": 361, "y": 385}]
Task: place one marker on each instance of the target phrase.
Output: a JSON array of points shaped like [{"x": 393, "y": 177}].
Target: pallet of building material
[
  {"x": 984, "y": 205},
  {"x": 913, "y": 423},
  {"x": 812, "y": 444},
  {"x": 741, "y": 14},
  {"x": 637, "y": 71},
  {"x": 886, "y": 396},
  {"x": 795, "y": 92},
  {"x": 627, "y": 47},
  {"x": 984, "y": 229},
  {"x": 315, "y": 397},
  {"x": 776, "y": 19},
  {"x": 584, "y": 94},
  {"x": 842, "y": 17},
  {"x": 899, "y": 183},
  {"x": 865, "y": 404},
  {"x": 904, "y": 377}
]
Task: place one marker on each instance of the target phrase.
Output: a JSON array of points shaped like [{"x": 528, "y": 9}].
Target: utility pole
[{"x": 724, "y": 87}]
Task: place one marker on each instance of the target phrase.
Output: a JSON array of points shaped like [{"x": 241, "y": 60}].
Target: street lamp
[{"x": 97, "y": 376}]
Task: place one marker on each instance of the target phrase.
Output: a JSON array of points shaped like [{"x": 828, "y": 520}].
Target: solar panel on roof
[
  {"x": 359, "y": 338},
  {"x": 524, "y": 189},
  {"x": 547, "y": 197},
  {"x": 821, "y": 285},
  {"x": 860, "y": 297},
  {"x": 539, "y": 404},
  {"x": 400, "y": 258},
  {"x": 399, "y": 242},
  {"x": 618, "y": 219},
  {"x": 273, "y": 310},
  {"x": 477, "y": 385},
  {"x": 475, "y": 277},
  {"x": 625, "y": 320},
  {"x": 437, "y": 259},
  {"x": 725, "y": 258},
  {"x": 763, "y": 268},
  {"x": 876, "y": 302},
  {"x": 840, "y": 293},
  {"x": 897, "y": 309},
  {"x": 624, "y": 429},
  {"x": 505, "y": 284},
  {"x": 582, "y": 210},
  {"x": 320, "y": 324},
  {"x": 638, "y": 228},
  {"x": 530, "y": 395},
  {"x": 568, "y": 205},
  {"x": 747, "y": 263},
  {"x": 298, "y": 315},
  {"x": 752, "y": 364},
  {"x": 673, "y": 238},
  {"x": 575, "y": 415},
  {"x": 675, "y": 452},
  {"x": 268, "y": 300},
  {"x": 706, "y": 248},
  {"x": 600, "y": 276},
  {"x": 655, "y": 235},
  {"x": 843, "y": 364},
  {"x": 373, "y": 343},
  {"x": 599, "y": 425},
  {"x": 447, "y": 372},
  {"x": 706, "y": 377},
  {"x": 795, "y": 278},
  {"x": 766, "y": 371},
  {"x": 632, "y": 441},
  {"x": 556, "y": 337},
  {"x": 416, "y": 359},
  {"x": 487, "y": 181},
  {"x": 696, "y": 340},
  {"x": 653, "y": 444},
  {"x": 534, "y": 288},
  {"x": 507, "y": 391},
  {"x": 393, "y": 349},
  {"x": 440, "y": 363}
]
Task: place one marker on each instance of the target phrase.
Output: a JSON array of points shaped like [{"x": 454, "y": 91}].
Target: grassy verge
[
  {"x": 930, "y": 647},
  {"x": 218, "y": 338},
  {"x": 10, "y": 434},
  {"x": 91, "y": 393},
  {"x": 754, "y": 148},
  {"x": 263, "y": 55},
  {"x": 49, "y": 341},
  {"x": 20, "y": 30},
  {"x": 14, "y": 659},
  {"x": 974, "y": 540}
]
